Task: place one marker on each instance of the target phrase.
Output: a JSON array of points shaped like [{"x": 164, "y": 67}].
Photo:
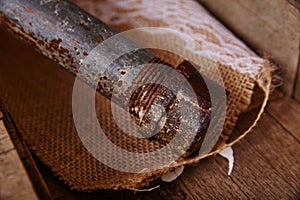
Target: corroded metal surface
[
  {"x": 61, "y": 31},
  {"x": 66, "y": 34}
]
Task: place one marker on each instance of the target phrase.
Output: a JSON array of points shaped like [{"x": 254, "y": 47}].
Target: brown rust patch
[
  {"x": 32, "y": 36},
  {"x": 28, "y": 9},
  {"x": 75, "y": 41},
  {"x": 85, "y": 53},
  {"x": 63, "y": 50},
  {"x": 41, "y": 42},
  {"x": 51, "y": 48},
  {"x": 54, "y": 44},
  {"x": 98, "y": 39}
]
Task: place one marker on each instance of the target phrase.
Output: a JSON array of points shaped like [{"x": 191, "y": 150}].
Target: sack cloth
[{"x": 39, "y": 93}]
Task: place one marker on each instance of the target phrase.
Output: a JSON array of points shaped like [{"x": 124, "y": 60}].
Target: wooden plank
[
  {"x": 209, "y": 180},
  {"x": 296, "y": 3},
  {"x": 266, "y": 167},
  {"x": 280, "y": 151},
  {"x": 271, "y": 27},
  {"x": 15, "y": 143},
  {"x": 14, "y": 182},
  {"x": 5, "y": 143},
  {"x": 287, "y": 112},
  {"x": 3, "y": 134},
  {"x": 296, "y": 94},
  {"x": 263, "y": 168}
]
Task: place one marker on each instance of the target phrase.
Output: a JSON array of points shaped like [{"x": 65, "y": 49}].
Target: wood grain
[
  {"x": 14, "y": 180},
  {"x": 270, "y": 27},
  {"x": 297, "y": 82},
  {"x": 265, "y": 168},
  {"x": 286, "y": 112}
]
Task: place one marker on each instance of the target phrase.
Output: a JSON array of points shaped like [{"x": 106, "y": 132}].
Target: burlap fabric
[
  {"x": 39, "y": 95},
  {"x": 240, "y": 66}
]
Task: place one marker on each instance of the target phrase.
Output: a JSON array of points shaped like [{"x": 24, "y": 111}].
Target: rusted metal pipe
[
  {"x": 65, "y": 33},
  {"x": 60, "y": 30}
]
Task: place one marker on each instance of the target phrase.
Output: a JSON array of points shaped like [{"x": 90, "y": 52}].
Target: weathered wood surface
[
  {"x": 297, "y": 83},
  {"x": 270, "y": 27},
  {"x": 14, "y": 181},
  {"x": 287, "y": 112}
]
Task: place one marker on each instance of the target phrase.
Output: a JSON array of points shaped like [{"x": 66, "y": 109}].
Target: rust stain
[
  {"x": 98, "y": 39},
  {"x": 32, "y": 11},
  {"x": 63, "y": 51},
  {"x": 54, "y": 44},
  {"x": 28, "y": 9},
  {"x": 59, "y": 54},
  {"x": 76, "y": 41},
  {"x": 41, "y": 42}
]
